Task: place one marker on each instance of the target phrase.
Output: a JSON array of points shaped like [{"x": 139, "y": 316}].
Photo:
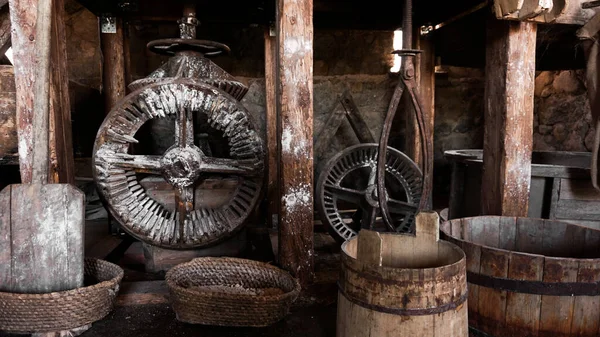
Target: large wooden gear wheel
[{"x": 183, "y": 166}]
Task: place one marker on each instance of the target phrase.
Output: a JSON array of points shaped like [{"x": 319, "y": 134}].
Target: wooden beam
[
  {"x": 23, "y": 17},
  {"x": 570, "y": 12},
  {"x": 509, "y": 87},
  {"x": 426, "y": 77},
  {"x": 113, "y": 71},
  {"x": 295, "y": 136},
  {"x": 273, "y": 196}
]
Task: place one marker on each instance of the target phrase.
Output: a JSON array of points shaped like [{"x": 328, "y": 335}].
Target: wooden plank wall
[
  {"x": 295, "y": 136},
  {"x": 509, "y": 87}
]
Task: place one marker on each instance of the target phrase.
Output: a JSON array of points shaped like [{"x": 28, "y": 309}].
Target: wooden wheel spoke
[
  {"x": 401, "y": 207},
  {"x": 184, "y": 128},
  {"x": 139, "y": 163},
  {"x": 250, "y": 168},
  {"x": 346, "y": 194},
  {"x": 184, "y": 201}
]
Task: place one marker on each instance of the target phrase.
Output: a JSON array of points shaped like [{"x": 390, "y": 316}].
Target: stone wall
[{"x": 563, "y": 116}]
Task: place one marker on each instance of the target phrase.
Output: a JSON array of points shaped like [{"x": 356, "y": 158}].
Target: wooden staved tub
[
  {"x": 402, "y": 285},
  {"x": 530, "y": 277}
]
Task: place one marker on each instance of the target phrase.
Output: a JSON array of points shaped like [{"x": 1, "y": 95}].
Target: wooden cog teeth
[{"x": 128, "y": 200}]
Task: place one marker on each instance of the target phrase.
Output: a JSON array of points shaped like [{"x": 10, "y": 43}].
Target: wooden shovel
[{"x": 41, "y": 224}]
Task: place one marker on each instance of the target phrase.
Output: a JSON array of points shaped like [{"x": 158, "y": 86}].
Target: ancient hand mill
[{"x": 189, "y": 93}]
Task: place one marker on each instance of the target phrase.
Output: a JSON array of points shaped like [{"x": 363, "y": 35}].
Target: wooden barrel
[
  {"x": 402, "y": 285},
  {"x": 530, "y": 277}
]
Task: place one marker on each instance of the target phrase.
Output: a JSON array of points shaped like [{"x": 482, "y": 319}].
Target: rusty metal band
[
  {"x": 404, "y": 312},
  {"x": 535, "y": 287}
]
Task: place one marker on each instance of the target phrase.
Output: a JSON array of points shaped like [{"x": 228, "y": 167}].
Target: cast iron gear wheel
[
  {"x": 347, "y": 193},
  {"x": 184, "y": 165}
]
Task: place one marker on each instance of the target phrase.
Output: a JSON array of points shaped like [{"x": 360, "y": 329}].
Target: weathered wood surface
[
  {"x": 560, "y": 187},
  {"x": 553, "y": 269},
  {"x": 328, "y": 130},
  {"x": 113, "y": 72},
  {"x": 295, "y": 107},
  {"x": 9, "y": 148},
  {"x": 395, "y": 285},
  {"x": 509, "y": 87},
  {"x": 23, "y": 20},
  {"x": 544, "y": 11},
  {"x": 43, "y": 224},
  {"x": 345, "y": 107},
  {"x": 42, "y": 247},
  {"x": 273, "y": 195},
  {"x": 358, "y": 124}
]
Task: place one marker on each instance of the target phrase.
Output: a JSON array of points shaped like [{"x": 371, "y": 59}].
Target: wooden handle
[
  {"x": 428, "y": 226},
  {"x": 370, "y": 246},
  {"x": 41, "y": 103}
]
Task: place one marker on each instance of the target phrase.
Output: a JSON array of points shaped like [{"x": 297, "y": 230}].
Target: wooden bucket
[
  {"x": 530, "y": 277},
  {"x": 402, "y": 285}
]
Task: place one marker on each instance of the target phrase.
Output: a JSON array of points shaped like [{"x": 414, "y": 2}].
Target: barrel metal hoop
[
  {"x": 373, "y": 276},
  {"x": 535, "y": 287},
  {"x": 405, "y": 312}
]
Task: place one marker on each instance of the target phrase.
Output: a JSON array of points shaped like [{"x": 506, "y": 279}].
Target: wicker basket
[
  {"x": 231, "y": 292},
  {"x": 65, "y": 310}
]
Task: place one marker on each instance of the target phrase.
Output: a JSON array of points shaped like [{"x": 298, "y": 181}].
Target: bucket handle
[
  {"x": 370, "y": 243},
  {"x": 428, "y": 226}
]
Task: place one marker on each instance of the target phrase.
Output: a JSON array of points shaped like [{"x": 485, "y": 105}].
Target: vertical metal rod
[
  {"x": 188, "y": 23},
  {"x": 407, "y": 26}
]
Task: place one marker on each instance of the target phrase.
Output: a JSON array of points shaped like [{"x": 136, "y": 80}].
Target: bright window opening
[
  {"x": 397, "y": 45},
  {"x": 9, "y": 55}
]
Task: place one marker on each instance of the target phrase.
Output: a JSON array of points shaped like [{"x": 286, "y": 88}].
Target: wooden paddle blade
[{"x": 41, "y": 238}]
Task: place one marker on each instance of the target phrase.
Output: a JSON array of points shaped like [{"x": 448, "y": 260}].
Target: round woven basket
[
  {"x": 64, "y": 310},
  {"x": 231, "y": 292}
]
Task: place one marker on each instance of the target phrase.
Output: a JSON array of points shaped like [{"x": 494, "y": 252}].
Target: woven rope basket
[
  {"x": 229, "y": 292},
  {"x": 65, "y": 310}
]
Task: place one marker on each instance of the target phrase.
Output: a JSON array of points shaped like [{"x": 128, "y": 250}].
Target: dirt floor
[{"x": 159, "y": 321}]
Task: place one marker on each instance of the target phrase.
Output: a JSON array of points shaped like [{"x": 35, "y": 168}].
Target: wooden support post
[
  {"x": 295, "y": 135},
  {"x": 23, "y": 17},
  {"x": 273, "y": 196},
  {"x": 113, "y": 72},
  {"x": 426, "y": 77},
  {"x": 509, "y": 87}
]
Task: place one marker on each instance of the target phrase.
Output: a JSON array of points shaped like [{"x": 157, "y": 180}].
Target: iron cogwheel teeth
[
  {"x": 347, "y": 195},
  {"x": 186, "y": 222}
]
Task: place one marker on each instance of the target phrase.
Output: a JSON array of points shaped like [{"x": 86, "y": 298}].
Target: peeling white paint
[
  {"x": 286, "y": 140},
  {"x": 297, "y": 45},
  {"x": 298, "y": 197},
  {"x": 291, "y": 146}
]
